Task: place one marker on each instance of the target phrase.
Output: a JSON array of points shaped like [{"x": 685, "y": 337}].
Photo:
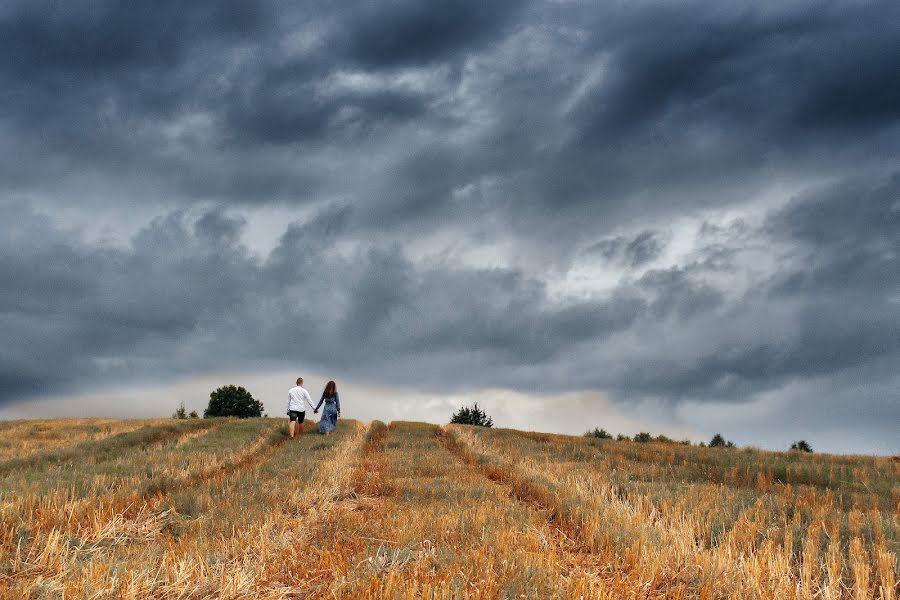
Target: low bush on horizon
[
  {"x": 802, "y": 446},
  {"x": 645, "y": 437},
  {"x": 718, "y": 441},
  {"x": 598, "y": 433},
  {"x": 472, "y": 416}
]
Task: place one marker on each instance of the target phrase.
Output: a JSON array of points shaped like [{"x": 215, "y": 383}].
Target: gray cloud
[
  {"x": 401, "y": 32},
  {"x": 672, "y": 203},
  {"x": 833, "y": 306},
  {"x": 635, "y": 252},
  {"x": 186, "y": 284}
]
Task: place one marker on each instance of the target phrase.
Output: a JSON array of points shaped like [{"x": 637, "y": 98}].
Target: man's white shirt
[{"x": 297, "y": 396}]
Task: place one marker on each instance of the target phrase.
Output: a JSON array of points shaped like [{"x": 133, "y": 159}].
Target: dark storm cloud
[
  {"x": 281, "y": 112},
  {"x": 62, "y": 38},
  {"x": 459, "y": 172},
  {"x": 675, "y": 290},
  {"x": 624, "y": 102},
  {"x": 800, "y": 68},
  {"x": 832, "y": 307},
  {"x": 188, "y": 282},
  {"x": 84, "y": 312},
  {"x": 58, "y": 57},
  {"x": 698, "y": 97},
  {"x": 851, "y": 238},
  {"x": 403, "y": 32},
  {"x": 81, "y": 307}
]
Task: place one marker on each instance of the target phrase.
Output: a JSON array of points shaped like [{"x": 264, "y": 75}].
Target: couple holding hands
[{"x": 299, "y": 399}]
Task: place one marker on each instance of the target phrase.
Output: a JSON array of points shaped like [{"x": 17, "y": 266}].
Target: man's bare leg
[{"x": 291, "y": 428}]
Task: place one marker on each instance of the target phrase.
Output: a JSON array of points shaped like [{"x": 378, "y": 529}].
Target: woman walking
[{"x": 332, "y": 408}]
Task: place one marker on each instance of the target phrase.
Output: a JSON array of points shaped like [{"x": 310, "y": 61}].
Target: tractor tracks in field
[
  {"x": 114, "y": 519},
  {"x": 136, "y": 506},
  {"x": 562, "y": 536},
  {"x": 144, "y": 518},
  {"x": 105, "y": 448},
  {"x": 610, "y": 566},
  {"x": 519, "y": 489},
  {"x": 370, "y": 480},
  {"x": 255, "y": 453}
]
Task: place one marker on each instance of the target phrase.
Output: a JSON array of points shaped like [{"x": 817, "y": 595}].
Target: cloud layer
[{"x": 674, "y": 205}]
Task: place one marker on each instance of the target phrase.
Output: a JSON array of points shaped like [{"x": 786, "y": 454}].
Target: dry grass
[
  {"x": 667, "y": 534},
  {"x": 442, "y": 531},
  {"x": 233, "y": 509},
  {"x": 24, "y": 438}
]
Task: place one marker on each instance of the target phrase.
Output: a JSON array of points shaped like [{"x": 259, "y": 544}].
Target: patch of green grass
[{"x": 105, "y": 449}]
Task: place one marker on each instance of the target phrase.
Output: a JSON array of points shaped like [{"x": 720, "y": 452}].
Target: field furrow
[
  {"x": 101, "y": 450},
  {"x": 662, "y": 475},
  {"x": 655, "y": 542},
  {"x": 231, "y": 533},
  {"x": 853, "y": 481},
  {"x": 232, "y": 508},
  {"x": 440, "y": 529},
  {"x": 40, "y": 532},
  {"x": 23, "y": 439}
]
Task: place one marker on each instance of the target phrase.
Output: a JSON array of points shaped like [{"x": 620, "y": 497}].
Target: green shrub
[
  {"x": 802, "y": 446},
  {"x": 643, "y": 437},
  {"x": 180, "y": 413},
  {"x": 718, "y": 441},
  {"x": 598, "y": 433},
  {"x": 472, "y": 416}
]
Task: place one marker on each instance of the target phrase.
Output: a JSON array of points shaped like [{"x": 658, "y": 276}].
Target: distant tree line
[
  {"x": 717, "y": 441},
  {"x": 642, "y": 437}
]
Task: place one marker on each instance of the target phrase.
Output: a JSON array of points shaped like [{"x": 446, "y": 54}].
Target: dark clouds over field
[{"x": 691, "y": 208}]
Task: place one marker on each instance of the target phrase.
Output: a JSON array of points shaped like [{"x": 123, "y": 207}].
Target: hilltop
[{"x": 234, "y": 509}]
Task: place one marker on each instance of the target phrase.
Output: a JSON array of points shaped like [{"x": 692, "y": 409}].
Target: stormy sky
[{"x": 677, "y": 215}]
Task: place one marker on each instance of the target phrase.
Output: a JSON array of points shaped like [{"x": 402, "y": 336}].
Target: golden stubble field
[{"x": 234, "y": 509}]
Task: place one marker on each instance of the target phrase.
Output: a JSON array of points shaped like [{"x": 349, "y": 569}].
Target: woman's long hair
[{"x": 330, "y": 390}]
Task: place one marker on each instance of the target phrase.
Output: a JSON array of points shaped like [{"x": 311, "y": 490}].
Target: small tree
[
  {"x": 180, "y": 413},
  {"x": 802, "y": 446},
  {"x": 194, "y": 415},
  {"x": 643, "y": 437},
  {"x": 472, "y": 416},
  {"x": 599, "y": 434},
  {"x": 718, "y": 441},
  {"x": 232, "y": 401},
  {"x": 622, "y": 438}
]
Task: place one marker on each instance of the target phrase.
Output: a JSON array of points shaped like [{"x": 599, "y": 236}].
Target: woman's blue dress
[{"x": 329, "y": 419}]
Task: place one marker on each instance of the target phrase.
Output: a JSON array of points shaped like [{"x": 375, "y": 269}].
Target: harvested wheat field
[{"x": 234, "y": 509}]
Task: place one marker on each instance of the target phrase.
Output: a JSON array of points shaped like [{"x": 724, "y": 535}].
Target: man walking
[{"x": 298, "y": 399}]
